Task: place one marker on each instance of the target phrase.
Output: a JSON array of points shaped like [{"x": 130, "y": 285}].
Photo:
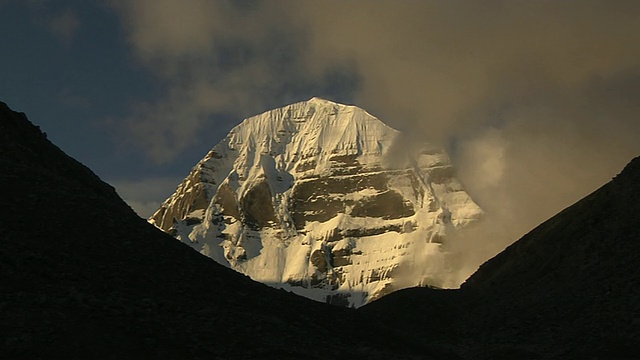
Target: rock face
[{"x": 322, "y": 199}]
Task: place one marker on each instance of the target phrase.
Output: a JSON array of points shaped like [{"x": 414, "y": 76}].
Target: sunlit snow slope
[{"x": 315, "y": 197}]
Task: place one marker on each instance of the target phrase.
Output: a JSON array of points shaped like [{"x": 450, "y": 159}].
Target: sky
[{"x": 537, "y": 102}]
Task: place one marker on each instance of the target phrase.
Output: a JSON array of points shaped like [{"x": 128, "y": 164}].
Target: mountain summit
[{"x": 325, "y": 200}]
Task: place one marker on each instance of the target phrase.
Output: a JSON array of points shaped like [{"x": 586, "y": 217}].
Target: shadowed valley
[{"x": 83, "y": 277}]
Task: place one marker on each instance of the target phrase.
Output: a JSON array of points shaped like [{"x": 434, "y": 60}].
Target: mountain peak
[
  {"x": 305, "y": 197},
  {"x": 319, "y": 100},
  {"x": 310, "y": 127},
  {"x": 98, "y": 281}
]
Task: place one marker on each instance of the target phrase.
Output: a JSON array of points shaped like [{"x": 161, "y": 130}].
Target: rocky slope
[{"x": 325, "y": 200}]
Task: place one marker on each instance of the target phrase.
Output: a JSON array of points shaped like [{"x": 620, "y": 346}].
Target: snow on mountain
[{"x": 314, "y": 198}]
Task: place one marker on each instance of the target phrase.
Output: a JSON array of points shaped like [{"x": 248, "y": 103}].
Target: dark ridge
[
  {"x": 599, "y": 236},
  {"x": 23, "y": 144},
  {"x": 572, "y": 285},
  {"x": 83, "y": 277},
  {"x": 568, "y": 289}
]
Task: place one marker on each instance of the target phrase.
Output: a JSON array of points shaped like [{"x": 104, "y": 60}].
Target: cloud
[
  {"x": 484, "y": 157},
  {"x": 65, "y": 26},
  {"x": 442, "y": 64},
  {"x": 537, "y": 102},
  {"x": 216, "y": 60},
  {"x": 60, "y": 20}
]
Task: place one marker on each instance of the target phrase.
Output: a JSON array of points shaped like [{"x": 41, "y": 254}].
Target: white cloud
[{"x": 483, "y": 159}]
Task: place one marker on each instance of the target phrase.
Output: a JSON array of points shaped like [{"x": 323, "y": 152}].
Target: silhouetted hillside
[
  {"x": 572, "y": 285},
  {"x": 568, "y": 289},
  {"x": 83, "y": 277}
]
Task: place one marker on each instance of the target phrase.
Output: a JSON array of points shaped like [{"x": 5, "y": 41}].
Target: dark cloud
[
  {"x": 215, "y": 58},
  {"x": 537, "y": 101}
]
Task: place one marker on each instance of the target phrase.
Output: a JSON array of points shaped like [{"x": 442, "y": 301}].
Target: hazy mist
[{"x": 537, "y": 103}]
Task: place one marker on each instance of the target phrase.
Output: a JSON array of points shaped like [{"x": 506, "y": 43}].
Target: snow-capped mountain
[{"x": 322, "y": 199}]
